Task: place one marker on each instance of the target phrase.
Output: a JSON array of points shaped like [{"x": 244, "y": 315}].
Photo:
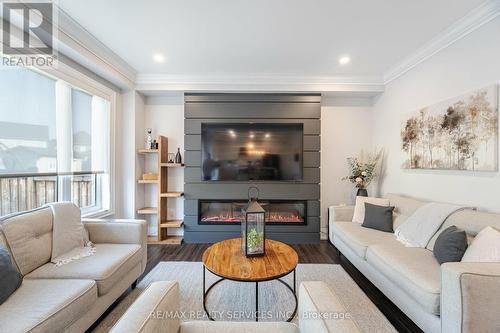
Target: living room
[{"x": 287, "y": 166}]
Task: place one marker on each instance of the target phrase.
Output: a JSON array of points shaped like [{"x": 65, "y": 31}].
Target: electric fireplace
[{"x": 228, "y": 212}]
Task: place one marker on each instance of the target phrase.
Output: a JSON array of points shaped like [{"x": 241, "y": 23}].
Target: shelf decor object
[
  {"x": 253, "y": 225},
  {"x": 164, "y": 225}
]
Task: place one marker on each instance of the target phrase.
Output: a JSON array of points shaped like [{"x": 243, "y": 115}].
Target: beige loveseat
[
  {"x": 454, "y": 297},
  {"x": 69, "y": 298}
]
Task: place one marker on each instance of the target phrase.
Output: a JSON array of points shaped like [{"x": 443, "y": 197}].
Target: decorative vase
[
  {"x": 178, "y": 157},
  {"x": 149, "y": 138},
  {"x": 362, "y": 192}
]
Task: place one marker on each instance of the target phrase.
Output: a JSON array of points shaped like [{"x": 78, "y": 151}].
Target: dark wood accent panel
[
  {"x": 192, "y": 142},
  {"x": 313, "y": 208},
  {"x": 311, "y": 126},
  {"x": 312, "y": 143},
  {"x": 252, "y": 110},
  {"x": 192, "y": 158},
  {"x": 256, "y": 108},
  {"x": 283, "y": 191},
  {"x": 311, "y": 159}
]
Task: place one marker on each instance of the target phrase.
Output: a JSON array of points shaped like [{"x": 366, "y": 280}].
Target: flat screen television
[{"x": 251, "y": 151}]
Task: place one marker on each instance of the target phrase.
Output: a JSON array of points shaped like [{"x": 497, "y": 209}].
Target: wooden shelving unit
[{"x": 164, "y": 195}]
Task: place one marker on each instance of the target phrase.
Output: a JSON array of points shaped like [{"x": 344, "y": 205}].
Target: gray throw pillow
[
  {"x": 378, "y": 217},
  {"x": 450, "y": 245},
  {"x": 10, "y": 278}
]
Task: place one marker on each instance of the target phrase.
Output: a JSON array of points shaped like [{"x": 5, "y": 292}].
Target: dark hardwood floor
[{"x": 323, "y": 253}]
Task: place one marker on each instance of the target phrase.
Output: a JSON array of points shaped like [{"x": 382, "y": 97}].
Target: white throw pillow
[
  {"x": 68, "y": 229},
  {"x": 359, "y": 209},
  {"x": 485, "y": 247}
]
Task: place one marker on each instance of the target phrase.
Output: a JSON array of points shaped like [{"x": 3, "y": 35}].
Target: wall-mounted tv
[{"x": 251, "y": 151}]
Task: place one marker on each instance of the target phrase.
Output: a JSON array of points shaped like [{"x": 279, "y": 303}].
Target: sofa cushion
[
  {"x": 359, "y": 208},
  {"x": 414, "y": 270},
  {"x": 107, "y": 266},
  {"x": 450, "y": 246},
  {"x": 472, "y": 221},
  {"x": 47, "y": 305},
  {"x": 404, "y": 207},
  {"x": 359, "y": 238},
  {"x": 10, "y": 278},
  {"x": 233, "y": 327},
  {"x": 378, "y": 217},
  {"x": 29, "y": 236}
]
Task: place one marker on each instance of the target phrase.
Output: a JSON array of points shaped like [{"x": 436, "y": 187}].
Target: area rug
[{"x": 235, "y": 301}]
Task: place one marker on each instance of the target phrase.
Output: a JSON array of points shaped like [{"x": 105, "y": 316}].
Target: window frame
[{"x": 85, "y": 83}]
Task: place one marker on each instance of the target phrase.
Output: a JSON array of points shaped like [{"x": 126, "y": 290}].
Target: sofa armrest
[
  {"x": 118, "y": 231},
  {"x": 470, "y": 297},
  {"x": 320, "y": 310},
  {"x": 340, "y": 213},
  {"x": 156, "y": 310}
]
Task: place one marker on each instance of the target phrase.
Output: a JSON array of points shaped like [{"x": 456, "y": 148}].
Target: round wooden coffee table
[{"x": 226, "y": 260}]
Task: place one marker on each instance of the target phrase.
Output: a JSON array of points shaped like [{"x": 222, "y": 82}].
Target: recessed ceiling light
[
  {"x": 159, "y": 58},
  {"x": 344, "y": 60}
]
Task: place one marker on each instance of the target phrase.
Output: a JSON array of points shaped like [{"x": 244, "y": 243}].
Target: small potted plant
[{"x": 362, "y": 171}]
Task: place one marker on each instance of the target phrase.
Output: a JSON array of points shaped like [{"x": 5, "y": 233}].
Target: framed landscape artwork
[{"x": 458, "y": 134}]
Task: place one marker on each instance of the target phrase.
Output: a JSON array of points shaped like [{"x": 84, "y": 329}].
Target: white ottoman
[{"x": 154, "y": 312}]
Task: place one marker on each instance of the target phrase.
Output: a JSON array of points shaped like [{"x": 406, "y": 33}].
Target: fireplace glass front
[{"x": 229, "y": 211}]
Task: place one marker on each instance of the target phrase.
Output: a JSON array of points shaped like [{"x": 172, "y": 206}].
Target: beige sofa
[
  {"x": 454, "y": 297},
  {"x": 158, "y": 310},
  {"x": 72, "y": 297}
]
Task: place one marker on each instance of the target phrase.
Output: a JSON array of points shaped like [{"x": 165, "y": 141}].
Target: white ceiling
[{"x": 261, "y": 37}]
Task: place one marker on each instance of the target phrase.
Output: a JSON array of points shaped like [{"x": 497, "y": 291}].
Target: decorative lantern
[{"x": 253, "y": 225}]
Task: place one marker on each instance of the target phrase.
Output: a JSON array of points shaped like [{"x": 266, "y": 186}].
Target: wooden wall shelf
[
  {"x": 169, "y": 240},
  {"x": 148, "y": 151},
  {"x": 148, "y": 181},
  {"x": 172, "y": 165},
  {"x": 147, "y": 210},
  {"x": 163, "y": 194},
  {"x": 171, "y": 195},
  {"x": 172, "y": 224}
]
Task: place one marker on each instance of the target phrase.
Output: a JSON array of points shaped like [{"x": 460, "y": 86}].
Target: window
[{"x": 54, "y": 143}]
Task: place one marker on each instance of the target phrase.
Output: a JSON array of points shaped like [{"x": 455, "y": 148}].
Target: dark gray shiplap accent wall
[{"x": 261, "y": 108}]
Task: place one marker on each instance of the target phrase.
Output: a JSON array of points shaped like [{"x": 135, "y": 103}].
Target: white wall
[
  {"x": 165, "y": 116},
  {"x": 129, "y": 117},
  {"x": 345, "y": 130},
  {"x": 471, "y": 63}
]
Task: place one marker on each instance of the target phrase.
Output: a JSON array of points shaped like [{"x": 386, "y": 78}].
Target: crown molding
[
  {"x": 75, "y": 42},
  {"x": 467, "y": 24},
  {"x": 152, "y": 83}
]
